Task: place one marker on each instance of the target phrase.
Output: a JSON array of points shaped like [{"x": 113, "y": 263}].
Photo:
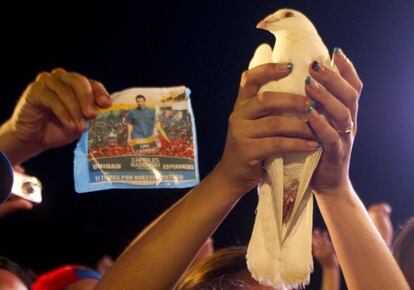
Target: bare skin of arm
[{"x": 323, "y": 251}]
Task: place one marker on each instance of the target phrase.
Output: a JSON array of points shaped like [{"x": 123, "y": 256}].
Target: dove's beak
[{"x": 264, "y": 24}]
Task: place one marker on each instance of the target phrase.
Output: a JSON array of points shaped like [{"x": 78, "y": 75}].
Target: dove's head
[{"x": 288, "y": 20}]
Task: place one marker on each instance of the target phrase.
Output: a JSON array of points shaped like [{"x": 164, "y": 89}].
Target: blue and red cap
[{"x": 64, "y": 276}]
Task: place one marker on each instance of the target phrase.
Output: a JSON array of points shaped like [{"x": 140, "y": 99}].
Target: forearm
[
  {"x": 364, "y": 258},
  {"x": 162, "y": 252},
  {"x": 16, "y": 150},
  {"x": 330, "y": 278}
]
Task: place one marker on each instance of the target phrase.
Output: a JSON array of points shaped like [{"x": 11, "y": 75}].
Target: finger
[
  {"x": 82, "y": 88},
  {"x": 380, "y": 208},
  {"x": 104, "y": 264},
  {"x": 252, "y": 79},
  {"x": 19, "y": 168},
  {"x": 278, "y": 126},
  {"x": 68, "y": 98},
  {"x": 14, "y": 205},
  {"x": 267, "y": 147},
  {"x": 386, "y": 207},
  {"x": 347, "y": 69},
  {"x": 50, "y": 100},
  {"x": 326, "y": 238},
  {"x": 268, "y": 103},
  {"x": 316, "y": 237},
  {"x": 337, "y": 86},
  {"x": 102, "y": 97},
  {"x": 332, "y": 106},
  {"x": 328, "y": 136}
]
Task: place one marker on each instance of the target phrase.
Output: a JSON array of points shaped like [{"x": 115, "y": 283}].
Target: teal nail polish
[
  {"x": 290, "y": 66},
  {"x": 318, "y": 145},
  {"x": 312, "y": 106},
  {"x": 308, "y": 80},
  {"x": 337, "y": 50}
]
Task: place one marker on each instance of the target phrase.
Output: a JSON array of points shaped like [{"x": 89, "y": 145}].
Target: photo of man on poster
[{"x": 141, "y": 120}]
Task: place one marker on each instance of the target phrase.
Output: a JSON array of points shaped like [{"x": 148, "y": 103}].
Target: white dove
[{"x": 279, "y": 252}]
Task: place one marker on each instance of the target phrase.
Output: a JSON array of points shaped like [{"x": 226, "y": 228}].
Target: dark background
[{"x": 204, "y": 45}]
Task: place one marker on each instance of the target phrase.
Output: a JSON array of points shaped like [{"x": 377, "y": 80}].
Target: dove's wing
[
  {"x": 262, "y": 55},
  {"x": 263, "y": 250}
]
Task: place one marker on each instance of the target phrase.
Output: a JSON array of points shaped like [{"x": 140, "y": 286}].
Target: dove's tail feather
[
  {"x": 294, "y": 264},
  {"x": 279, "y": 254}
]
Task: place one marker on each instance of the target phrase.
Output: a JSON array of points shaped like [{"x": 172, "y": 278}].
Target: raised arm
[
  {"x": 323, "y": 251},
  {"x": 162, "y": 252},
  {"x": 364, "y": 257},
  {"x": 380, "y": 214}
]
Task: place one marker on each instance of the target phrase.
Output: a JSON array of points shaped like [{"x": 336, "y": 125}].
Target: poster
[{"x": 146, "y": 139}]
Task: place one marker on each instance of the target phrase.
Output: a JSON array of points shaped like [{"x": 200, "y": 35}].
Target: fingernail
[
  {"x": 337, "y": 50},
  {"x": 313, "y": 144},
  {"x": 283, "y": 67},
  {"x": 312, "y": 106},
  {"x": 106, "y": 99},
  {"x": 243, "y": 79},
  {"x": 311, "y": 82},
  {"x": 387, "y": 208},
  {"x": 316, "y": 66}
]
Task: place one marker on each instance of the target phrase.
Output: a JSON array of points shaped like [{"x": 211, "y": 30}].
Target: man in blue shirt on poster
[{"x": 141, "y": 120}]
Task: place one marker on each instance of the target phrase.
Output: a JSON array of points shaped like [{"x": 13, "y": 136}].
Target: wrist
[
  {"x": 16, "y": 150},
  {"x": 232, "y": 187},
  {"x": 344, "y": 189},
  {"x": 338, "y": 202}
]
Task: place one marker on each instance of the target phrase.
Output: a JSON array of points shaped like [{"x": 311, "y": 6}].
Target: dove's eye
[{"x": 288, "y": 14}]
